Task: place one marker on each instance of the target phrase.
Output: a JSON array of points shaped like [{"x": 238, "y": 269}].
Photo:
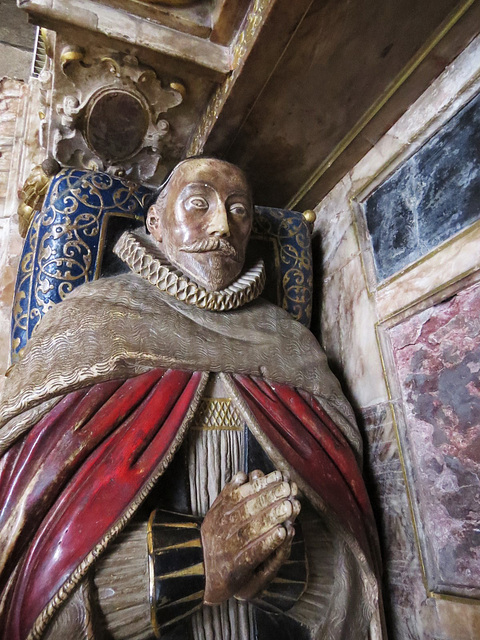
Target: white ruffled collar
[{"x": 143, "y": 257}]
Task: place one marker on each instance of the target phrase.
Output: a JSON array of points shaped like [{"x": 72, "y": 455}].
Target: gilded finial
[
  {"x": 71, "y": 54},
  {"x": 179, "y": 87},
  {"x": 33, "y": 192},
  {"x": 310, "y": 216}
]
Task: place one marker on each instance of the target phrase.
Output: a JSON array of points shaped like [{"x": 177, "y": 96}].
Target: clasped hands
[{"x": 247, "y": 535}]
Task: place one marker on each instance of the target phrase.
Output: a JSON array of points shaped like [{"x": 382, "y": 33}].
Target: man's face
[{"x": 204, "y": 221}]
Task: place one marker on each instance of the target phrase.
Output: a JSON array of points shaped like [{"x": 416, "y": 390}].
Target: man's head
[{"x": 203, "y": 218}]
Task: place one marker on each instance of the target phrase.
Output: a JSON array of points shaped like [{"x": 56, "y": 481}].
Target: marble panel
[
  {"x": 335, "y": 225},
  {"x": 348, "y": 334},
  {"x": 372, "y": 163},
  {"x": 437, "y": 354},
  {"x": 411, "y": 613},
  {"x": 404, "y": 591},
  {"x": 431, "y": 197},
  {"x": 446, "y": 95},
  {"x": 458, "y": 257},
  {"x": 459, "y": 620}
]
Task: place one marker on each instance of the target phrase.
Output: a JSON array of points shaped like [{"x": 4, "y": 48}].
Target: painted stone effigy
[
  {"x": 178, "y": 460},
  {"x": 68, "y": 243}
]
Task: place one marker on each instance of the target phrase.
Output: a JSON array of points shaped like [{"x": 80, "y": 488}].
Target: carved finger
[
  {"x": 228, "y": 497},
  {"x": 268, "y": 569},
  {"x": 257, "y": 502},
  {"x": 264, "y": 521},
  {"x": 254, "y": 475},
  {"x": 239, "y": 479},
  {"x": 249, "y": 488},
  {"x": 258, "y": 550},
  {"x": 296, "y": 508}
]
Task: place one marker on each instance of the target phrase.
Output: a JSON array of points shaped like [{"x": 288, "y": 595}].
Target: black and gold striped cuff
[{"x": 177, "y": 575}]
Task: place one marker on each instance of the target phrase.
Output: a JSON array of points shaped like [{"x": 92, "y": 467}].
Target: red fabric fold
[
  {"x": 310, "y": 442},
  {"x": 78, "y": 471},
  {"x": 94, "y": 467}
]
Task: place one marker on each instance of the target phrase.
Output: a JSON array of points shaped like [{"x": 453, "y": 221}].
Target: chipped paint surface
[{"x": 437, "y": 354}]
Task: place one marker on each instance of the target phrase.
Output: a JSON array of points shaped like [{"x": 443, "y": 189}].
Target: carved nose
[{"x": 218, "y": 225}]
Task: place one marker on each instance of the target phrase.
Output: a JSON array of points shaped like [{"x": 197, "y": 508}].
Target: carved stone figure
[{"x": 178, "y": 460}]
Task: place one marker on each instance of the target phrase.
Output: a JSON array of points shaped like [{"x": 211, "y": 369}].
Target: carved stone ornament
[{"x": 112, "y": 118}]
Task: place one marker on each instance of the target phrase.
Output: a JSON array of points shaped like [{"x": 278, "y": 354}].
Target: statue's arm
[{"x": 190, "y": 562}]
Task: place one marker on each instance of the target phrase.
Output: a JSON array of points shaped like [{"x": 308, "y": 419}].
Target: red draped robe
[{"x": 76, "y": 478}]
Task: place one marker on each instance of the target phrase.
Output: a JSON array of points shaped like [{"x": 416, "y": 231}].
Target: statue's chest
[
  {"x": 215, "y": 450},
  {"x": 217, "y": 445}
]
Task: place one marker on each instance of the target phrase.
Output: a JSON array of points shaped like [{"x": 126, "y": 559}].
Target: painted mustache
[{"x": 211, "y": 244}]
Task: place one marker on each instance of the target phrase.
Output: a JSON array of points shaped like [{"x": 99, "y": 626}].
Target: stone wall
[
  {"x": 12, "y": 107},
  {"x": 370, "y": 326},
  {"x": 20, "y": 150}
]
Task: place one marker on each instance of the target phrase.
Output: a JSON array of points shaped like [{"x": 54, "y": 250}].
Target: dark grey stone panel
[{"x": 431, "y": 197}]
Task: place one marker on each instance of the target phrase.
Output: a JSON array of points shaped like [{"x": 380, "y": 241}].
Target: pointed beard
[
  {"x": 218, "y": 274},
  {"x": 210, "y": 269}
]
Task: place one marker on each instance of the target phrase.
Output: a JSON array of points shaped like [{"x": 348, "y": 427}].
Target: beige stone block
[
  {"x": 8, "y": 105},
  {"x": 3, "y": 190},
  {"x": 7, "y": 286},
  {"x": 5, "y": 319},
  {"x": 4, "y": 179},
  {"x": 335, "y": 225},
  {"x": 7, "y": 116},
  {"x": 458, "y": 620},
  {"x": 7, "y": 132},
  {"x": 12, "y": 88},
  {"x": 5, "y": 162},
  {"x": 6, "y": 297},
  {"x": 348, "y": 334},
  {"x": 457, "y": 258}
]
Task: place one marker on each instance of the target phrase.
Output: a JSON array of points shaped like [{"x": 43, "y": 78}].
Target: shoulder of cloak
[{"x": 119, "y": 327}]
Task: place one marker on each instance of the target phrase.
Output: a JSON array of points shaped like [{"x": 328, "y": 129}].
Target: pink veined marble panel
[{"x": 437, "y": 354}]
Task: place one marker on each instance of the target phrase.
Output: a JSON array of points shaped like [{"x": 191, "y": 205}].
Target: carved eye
[
  {"x": 238, "y": 209},
  {"x": 196, "y": 203}
]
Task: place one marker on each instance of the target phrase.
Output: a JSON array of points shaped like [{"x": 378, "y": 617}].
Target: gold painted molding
[
  {"x": 390, "y": 91},
  {"x": 239, "y": 51}
]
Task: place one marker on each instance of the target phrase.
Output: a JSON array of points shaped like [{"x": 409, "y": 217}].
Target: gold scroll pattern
[
  {"x": 291, "y": 234},
  {"x": 65, "y": 242}
]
